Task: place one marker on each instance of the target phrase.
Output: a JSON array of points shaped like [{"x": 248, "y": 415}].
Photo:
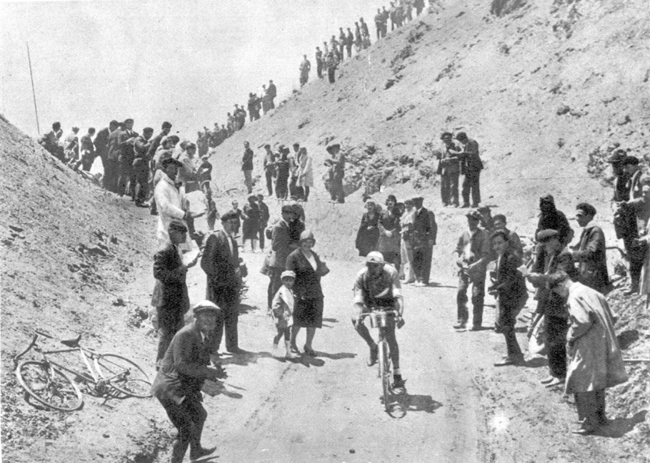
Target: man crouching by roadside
[{"x": 180, "y": 378}]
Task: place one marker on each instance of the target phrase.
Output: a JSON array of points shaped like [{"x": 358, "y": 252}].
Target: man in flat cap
[
  {"x": 422, "y": 239},
  {"x": 220, "y": 262},
  {"x": 472, "y": 253},
  {"x": 336, "y": 172},
  {"x": 471, "y": 166},
  {"x": 183, "y": 370},
  {"x": 170, "y": 202},
  {"x": 550, "y": 304},
  {"x": 449, "y": 170}
]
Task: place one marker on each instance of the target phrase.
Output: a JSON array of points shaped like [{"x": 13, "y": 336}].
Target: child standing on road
[{"x": 282, "y": 313}]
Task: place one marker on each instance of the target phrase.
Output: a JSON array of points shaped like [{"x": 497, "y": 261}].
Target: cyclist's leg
[
  {"x": 360, "y": 327},
  {"x": 392, "y": 343}
]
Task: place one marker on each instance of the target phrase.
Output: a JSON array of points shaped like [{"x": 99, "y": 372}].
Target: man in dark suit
[
  {"x": 590, "y": 253},
  {"x": 101, "y": 142},
  {"x": 220, "y": 262},
  {"x": 449, "y": 170},
  {"x": 282, "y": 243},
  {"x": 126, "y": 156},
  {"x": 471, "y": 166},
  {"x": 170, "y": 292},
  {"x": 422, "y": 240},
  {"x": 180, "y": 378}
]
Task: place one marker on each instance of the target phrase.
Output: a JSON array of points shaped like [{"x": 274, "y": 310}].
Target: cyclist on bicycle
[{"x": 377, "y": 285}]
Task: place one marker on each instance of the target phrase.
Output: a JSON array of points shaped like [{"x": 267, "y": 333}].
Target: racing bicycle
[{"x": 54, "y": 384}]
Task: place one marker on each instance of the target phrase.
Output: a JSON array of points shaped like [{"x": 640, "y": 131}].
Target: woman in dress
[
  {"x": 251, "y": 216},
  {"x": 308, "y": 312},
  {"x": 389, "y": 233},
  {"x": 305, "y": 172},
  {"x": 368, "y": 232}
]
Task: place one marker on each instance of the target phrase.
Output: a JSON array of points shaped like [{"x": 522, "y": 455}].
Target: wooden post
[{"x": 29, "y": 59}]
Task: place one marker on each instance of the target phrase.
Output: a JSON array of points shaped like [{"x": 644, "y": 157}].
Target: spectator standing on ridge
[
  {"x": 342, "y": 43},
  {"x": 294, "y": 160},
  {"x": 305, "y": 173},
  {"x": 358, "y": 40},
  {"x": 101, "y": 142},
  {"x": 269, "y": 168},
  {"x": 264, "y": 219},
  {"x": 472, "y": 253},
  {"x": 419, "y": 6},
  {"x": 282, "y": 166},
  {"x": 171, "y": 203},
  {"x": 384, "y": 21},
  {"x": 305, "y": 67},
  {"x": 319, "y": 63},
  {"x": 111, "y": 169},
  {"x": 247, "y": 167},
  {"x": 365, "y": 33},
  {"x": 273, "y": 92},
  {"x": 71, "y": 146},
  {"x": 471, "y": 166},
  {"x": 349, "y": 42},
  {"x": 126, "y": 156},
  {"x": 590, "y": 253},
  {"x": 50, "y": 141},
  {"x": 379, "y": 19},
  {"x": 449, "y": 170},
  {"x": 86, "y": 151},
  {"x": 220, "y": 262},
  {"x": 336, "y": 172},
  {"x": 331, "y": 63},
  {"x": 140, "y": 186}
]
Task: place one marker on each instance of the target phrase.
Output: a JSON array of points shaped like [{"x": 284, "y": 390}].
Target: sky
[{"x": 186, "y": 61}]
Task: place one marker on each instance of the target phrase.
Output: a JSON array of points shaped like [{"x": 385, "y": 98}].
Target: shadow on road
[
  {"x": 420, "y": 403},
  {"x": 536, "y": 362},
  {"x": 243, "y": 358},
  {"x": 618, "y": 427},
  {"x": 433, "y": 284},
  {"x": 245, "y": 308}
]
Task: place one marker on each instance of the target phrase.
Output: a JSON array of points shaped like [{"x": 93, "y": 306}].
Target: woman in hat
[
  {"x": 389, "y": 233},
  {"x": 305, "y": 172},
  {"x": 368, "y": 232},
  {"x": 308, "y": 268}
]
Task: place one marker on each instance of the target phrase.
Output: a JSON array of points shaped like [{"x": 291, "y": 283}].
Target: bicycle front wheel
[
  {"x": 385, "y": 374},
  {"x": 124, "y": 375},
  {"x": 49, "y": 386}
]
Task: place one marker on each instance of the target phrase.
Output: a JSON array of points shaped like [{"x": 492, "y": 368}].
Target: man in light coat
[
  {"x": 595, "y": 362},
  {"x": 171, "y": 203}
]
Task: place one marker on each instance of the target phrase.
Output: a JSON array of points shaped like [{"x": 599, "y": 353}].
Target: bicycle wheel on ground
[
  {"x": 385, "y": 374},
  {"x": 124, "y": 375},
  {"x": 49, "y": 386}
]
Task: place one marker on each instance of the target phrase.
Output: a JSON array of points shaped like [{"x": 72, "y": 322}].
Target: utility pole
[{"x": 31, "y": 74}]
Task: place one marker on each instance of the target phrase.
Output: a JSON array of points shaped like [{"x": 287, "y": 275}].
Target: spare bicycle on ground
[{"x": 53, "y": 384}]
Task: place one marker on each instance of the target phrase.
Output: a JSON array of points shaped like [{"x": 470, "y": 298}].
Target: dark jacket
[
  {"x": 549, "y": 302},
  {"x": 471, "y": 161},
  {"x": 424, "y": 229},
  {"x": 555, "y": 220},
  {"x": 101, "y": 142},
  {"x": 184, "y": 366},
  {"x": 307, "y": 285},
  {"x": 368, "y": 234},
  {"x": 280, "y": 242},
  {"x": 220, "y": 264},
  {"x": 591, "y": 257},
  {"x": 509, "y": 283},
  {"x": 170, "y": 292}
]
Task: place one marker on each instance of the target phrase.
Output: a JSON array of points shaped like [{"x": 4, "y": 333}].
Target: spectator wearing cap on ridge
[
  {"x": 336, "y": 166},
  {"x": 590, "y": 252},
  {"x": 550, "y": 305},
  {"x": 472, "y": 253},
  {"x": 170, "y": 296},
  {"x": 471, "y": 166},
  {"x": 171, "y": 203},
  {"x": 220, "y": 262},
  {"x": 449, "y": 170},
  {"x": 182, "y": 373}
]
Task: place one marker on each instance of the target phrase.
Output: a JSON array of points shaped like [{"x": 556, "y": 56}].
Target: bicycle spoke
[
  {"x": 124, "y": 375},
  {"x": 49, "y": 386}
]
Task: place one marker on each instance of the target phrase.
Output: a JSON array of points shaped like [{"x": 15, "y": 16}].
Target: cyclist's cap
[
  {"x": 288, "y": 274},
  {"x": 204, "y": 306},
  {"x": 375, "y": 257}
]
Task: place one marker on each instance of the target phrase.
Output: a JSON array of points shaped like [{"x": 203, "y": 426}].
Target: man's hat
[
  {"x": 631, "y": 160},
  {"x": 484, "y": 209},
  {"x": 288, "y": 208},
  {"x": 288, "y": 274},
  {"x": 617, "y": 156},
  {"x": 229, "y": 216},
  {"x": 333, "y": 147},
  {"x": 205, "y": 306},
  {"x": 126, "y": 121},
  {"x": 545, "y": 235},
  {"x": 461, "y": 136},
  {"x": 168, "y": 161},
  {"x": 113, "y": 122},
  {"x": 177, "y": 224},
  {"x": 476, "y": 215},
  {"x": 446, "y": 134},
  {"x": 375, "y": 257}
]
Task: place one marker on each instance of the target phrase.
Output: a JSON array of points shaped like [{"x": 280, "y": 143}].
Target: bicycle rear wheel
[
  {"x": 49, "y": 386},
  {"x": 124, "y": 375},
  {"x": 385, "y": 374}
]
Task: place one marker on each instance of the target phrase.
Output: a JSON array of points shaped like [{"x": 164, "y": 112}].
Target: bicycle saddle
[{"x": 71, "y": 342}]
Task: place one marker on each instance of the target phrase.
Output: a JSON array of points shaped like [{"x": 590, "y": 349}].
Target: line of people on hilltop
[{"x": 340, "y": 45}]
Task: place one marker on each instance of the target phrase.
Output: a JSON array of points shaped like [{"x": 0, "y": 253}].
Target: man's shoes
[
  {"x": 555, "y": 382},
  {"x": 465, "y": 206},
  {"x": 236, "y": 351},
  {"x": 419, "y": 284},
  {"x": 399, "y": 387},
  {"x": 584, "y": 430},
  {"x": 309, "y": 351},
  {"x": 632, "y": 290},
  {"x": 475, "y": 328},
  {"x": 514, "y": 360},
  {"x": 291, "y": 355},
  {"x": 408, "y": 282},
  {"x": 547, "y": 380},
  {"x": 294, "y": 349},
  {"x": 460, "y": 325},
  {"x": 201, "y": 452},
  {"x": 372, "y": 358}
]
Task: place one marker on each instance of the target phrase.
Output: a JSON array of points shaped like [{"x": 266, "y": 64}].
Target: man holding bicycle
[{"x": 377, "y": 286}]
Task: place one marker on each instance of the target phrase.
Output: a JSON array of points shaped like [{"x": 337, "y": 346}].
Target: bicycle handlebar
[{"x": 31, "y": 344}]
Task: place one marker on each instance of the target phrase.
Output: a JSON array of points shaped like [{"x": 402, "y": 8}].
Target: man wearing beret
[
  {"x": 170, "y": 202},
  {"x": 472, "y": 253},
  {"x": 177, "y": 386},
  {"x": 220, "y": 262},
  {"x": 550, "y": 304},
  {"x": 336, "y": 172}
]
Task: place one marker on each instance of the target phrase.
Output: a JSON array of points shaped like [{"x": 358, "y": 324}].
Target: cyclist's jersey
[{"x": 381, "y": 291}]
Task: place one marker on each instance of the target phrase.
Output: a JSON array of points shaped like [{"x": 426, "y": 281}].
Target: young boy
[{"x": 282, "y": 313}]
